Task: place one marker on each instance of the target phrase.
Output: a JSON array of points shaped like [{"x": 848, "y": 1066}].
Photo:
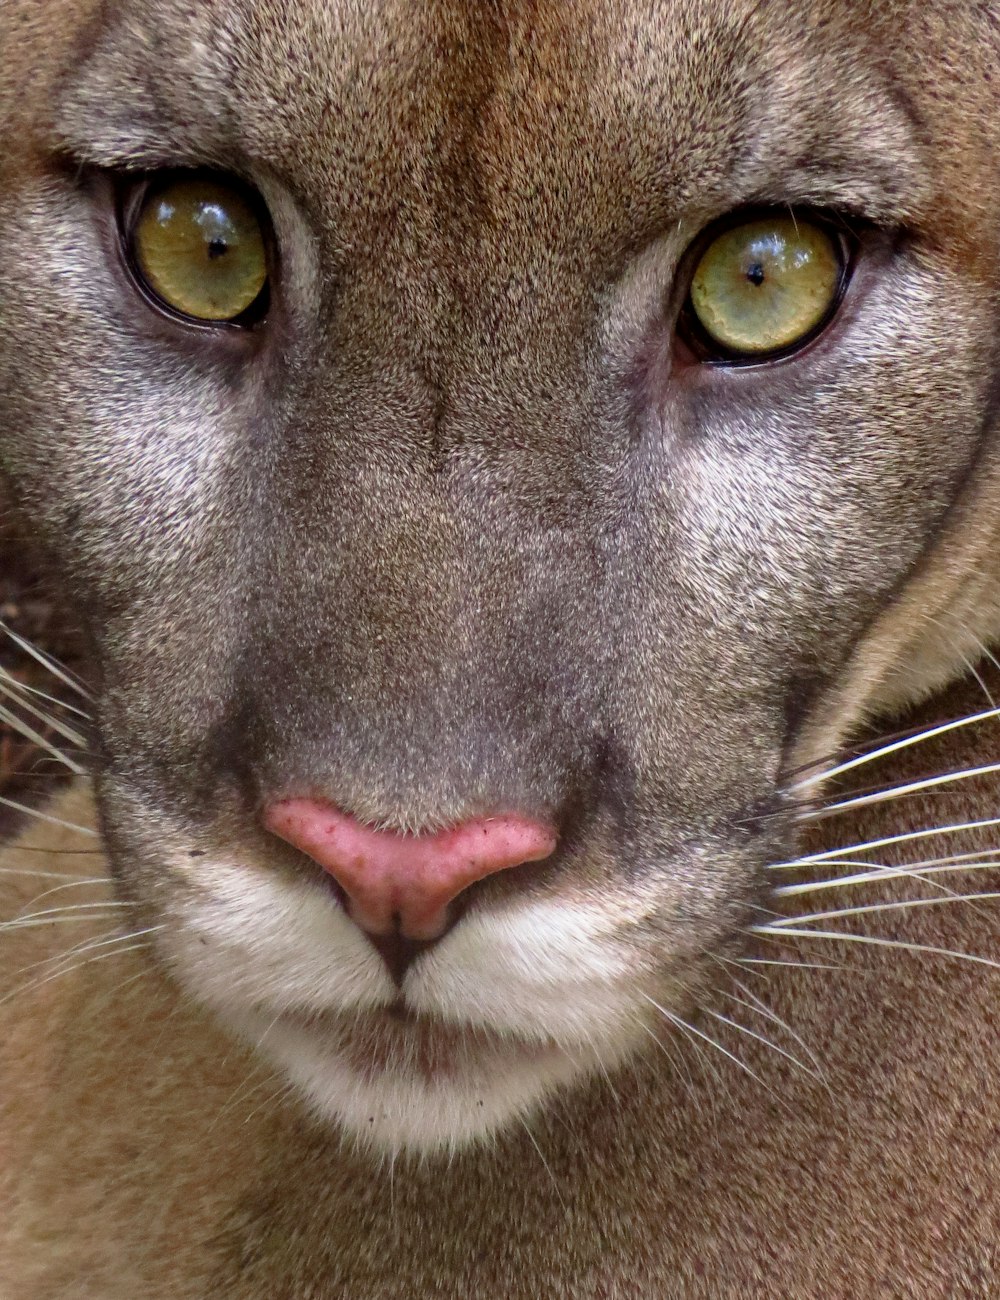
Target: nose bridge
[
  {"x": 426, "y": 645},
  {"x": 443, "y": 497},
  {"x": 432, "y": 601}
]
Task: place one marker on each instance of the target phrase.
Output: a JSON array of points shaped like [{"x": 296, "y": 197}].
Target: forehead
[{"x": 587, "y": 116}]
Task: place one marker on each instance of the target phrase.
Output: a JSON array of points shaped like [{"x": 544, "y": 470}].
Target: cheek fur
[{"x": 239, "y": 938}]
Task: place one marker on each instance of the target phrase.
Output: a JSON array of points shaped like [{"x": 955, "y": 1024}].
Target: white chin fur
[
  {"x": 544, "y": 987},
  {"x": 403, "y": 1111}
]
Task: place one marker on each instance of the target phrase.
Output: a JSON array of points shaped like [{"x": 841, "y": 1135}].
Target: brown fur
[{"x": 460, "y": 529}]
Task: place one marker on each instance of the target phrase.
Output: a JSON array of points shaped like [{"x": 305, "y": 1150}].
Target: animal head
[{"x": 489, "y": 446}]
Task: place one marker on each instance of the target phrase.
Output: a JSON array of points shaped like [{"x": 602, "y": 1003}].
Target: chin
[
  {"x": 517, "y": 1003},
  {"x": 395, "y": 1083}
]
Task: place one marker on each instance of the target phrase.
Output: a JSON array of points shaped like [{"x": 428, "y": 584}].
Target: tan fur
[
  {"x": 460, "y": 529},
  {"x": 145, "y": 1155}
]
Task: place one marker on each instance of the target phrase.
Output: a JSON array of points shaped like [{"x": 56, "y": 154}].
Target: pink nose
[{"x": 390, "y": 877}]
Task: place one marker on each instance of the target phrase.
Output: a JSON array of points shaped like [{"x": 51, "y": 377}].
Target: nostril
[{"x": 395, "y": 881}]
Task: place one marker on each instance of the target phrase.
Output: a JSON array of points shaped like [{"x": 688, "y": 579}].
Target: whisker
[
  {"x": 921, "y": 871},
  {"x": 894, "y": 906},
  {"x": 707, "y": 1038},
  {"x": 861, "y": 747},
  {"x": 846, "y": 937},
  {"x": 796, "y": 965},
  {"x": 76, "y": 883},
  {"x": 46, "y": 817},
  {"x": 66, "y": 962},
  {"x": 880, "y": 874},
  {"x": 286, "y": 1089},
  {"x": 985, "y": 651},
  {"x": 29, "y": 733},
  {"x": 705, "y": 1064},
  {"x": 10, "y": 689},
  {"x": 756, "y": 1005},
  {"x": 913, "y": 738},
  {"x": 75, "y": 908},
  {"x": 761, "y": 1038},
  {"x": 76, "y": 966},
  {"x": 244, "y": 1090},
  {"x": 602, "y": 1067},
  {"x": 35, "y": 874},
  {"x": 9, "y": 680},
  {"x": 973, "y": 672},
  {"x": 676, "y": 1062},
  {"x": 897, "y": 791},
  {"x": 828, "y": 855},
  {"x": 53, "y": 853},
  {"x": 741, "y": 963},
  {"x": 541, "y": 1155},
  {"x": 123, "y": 984},
  {"x": 58, "y": 671},
  {"x": 88, "y": 944},
  {"x": 30, "y": 923},
  {"x": 672, "y": 1057}
]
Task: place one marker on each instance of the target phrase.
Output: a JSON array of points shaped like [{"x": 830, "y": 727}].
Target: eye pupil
[
  {"x": 217, "y": 248},
  {"x": 755, "y": 274}
]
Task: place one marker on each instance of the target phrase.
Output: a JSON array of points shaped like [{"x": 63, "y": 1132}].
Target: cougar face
[{"x": 493, "y": 499}]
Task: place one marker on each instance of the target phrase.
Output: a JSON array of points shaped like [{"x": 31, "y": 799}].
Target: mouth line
[{"x": 398, "y": 1040}]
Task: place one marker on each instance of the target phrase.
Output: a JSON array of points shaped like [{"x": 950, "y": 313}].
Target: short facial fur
[{"x": 459, "y": 530}]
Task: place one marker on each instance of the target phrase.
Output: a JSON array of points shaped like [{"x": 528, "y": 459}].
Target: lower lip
[{"x": 396, "y": 1041}]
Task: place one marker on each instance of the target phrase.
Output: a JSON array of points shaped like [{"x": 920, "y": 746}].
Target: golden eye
[
  {"x": 198, "y": 245},
  {"x": 766, "y": 285}
]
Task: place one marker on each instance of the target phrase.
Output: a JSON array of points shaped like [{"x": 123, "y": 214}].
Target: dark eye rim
[
  {"x": 135, "y": 190},
  {"x": 705, "y": 350}
]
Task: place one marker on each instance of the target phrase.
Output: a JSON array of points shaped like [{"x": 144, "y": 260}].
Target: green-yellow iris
[
  {"x": 765, "y": 285},
  {"x": 200, "y": 247}
]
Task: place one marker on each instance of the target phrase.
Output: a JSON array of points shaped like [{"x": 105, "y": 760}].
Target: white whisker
[
  {"x": 46, "y": 817},
  {"x": 974, "y": 672},
  {"x": 707, "y": 1038},
  {"x": 894, "y": 747},
  {"x": 761, "y": 1038},
  {"x": 76, "y": 883},
  {"x": 894, "y": 906},
  {"x": 9, "y": 690},
  {"x": 7, "y": 680},
  {"x": 673, "y": 1058},
  {"x": 89, "y": 944},
  {"x": 796, "y": 965},
  {"x": 243, "y": 1091},
  {"x": 29, "y": 733},
  {"x": 65, "y": 963},
  {"x": 761, "y": 1009},
  {"x": 31, "y": 923},
  {"x": 846, "y": 937},
  {"x": 541, "y": 1155},
  {"x": 63, "y": 674},
  {"x": 54, "y": 853},
  {"x": 831, "y": 855},
  {"x": 35, "y": 874},
  {"x": 285, "y": 1090},
  {"x": 898, "y": 791},
  {"x": 78, "y": 909},
  {"x": 879, "y": 874},
  {"x": 705, "y": 1065}
]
